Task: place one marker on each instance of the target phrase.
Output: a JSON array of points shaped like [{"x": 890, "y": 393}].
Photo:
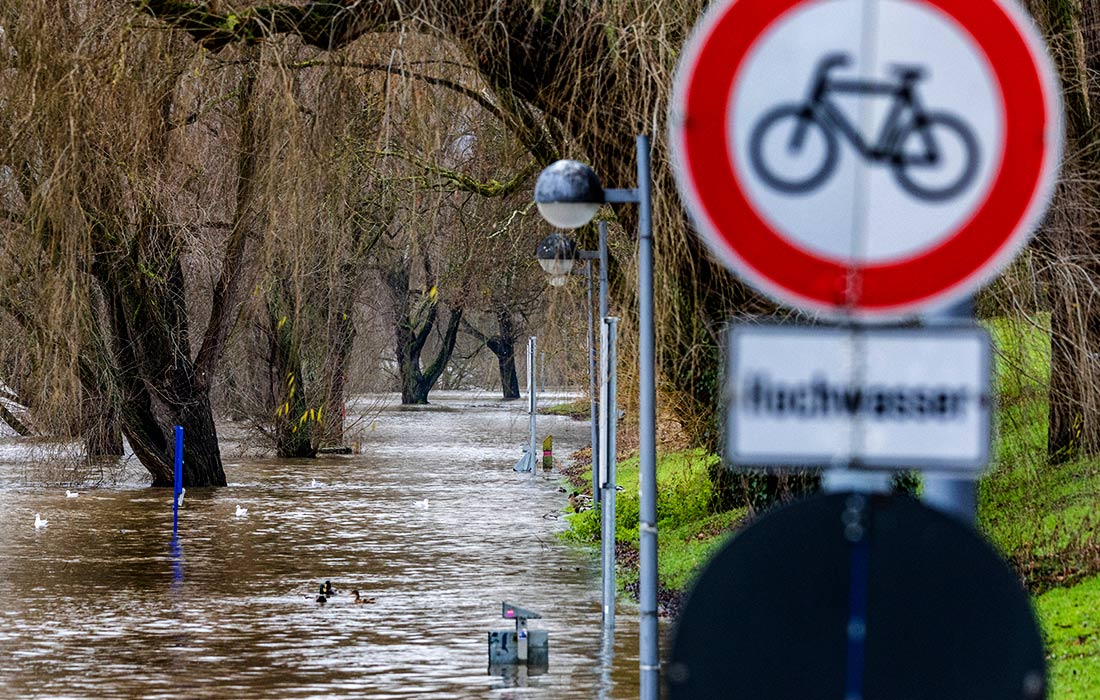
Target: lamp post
[
  {"x": 568, "y": 194},
  {"x": 552, "y": 253}
]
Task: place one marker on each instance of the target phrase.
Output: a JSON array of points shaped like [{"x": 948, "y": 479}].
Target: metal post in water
[
  {"x": 177, "y": 481},
  {"x": 609, "y": 359},
  {"x": 648, "y": 662},
  {"x": 532, "y": 377}
]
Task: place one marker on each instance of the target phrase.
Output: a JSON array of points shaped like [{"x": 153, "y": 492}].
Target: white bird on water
[
  {"x": 71, "y": 494},
  {"x": 421, "y": 504},
  {"x": 241, "y": 512},
  {"x": 313, "y": 484},
  {"x": 39, "y": 523}
]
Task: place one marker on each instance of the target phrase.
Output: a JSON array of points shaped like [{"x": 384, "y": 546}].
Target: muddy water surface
[{"x": 101, "y": 604}]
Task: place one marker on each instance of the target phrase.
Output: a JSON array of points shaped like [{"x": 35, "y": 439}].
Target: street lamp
[
  {"x": 568, "y": 194},
  {"x": 556, "y": 254}
]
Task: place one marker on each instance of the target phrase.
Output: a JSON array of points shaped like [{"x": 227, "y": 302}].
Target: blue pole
[
  {"x": 178, "y": 481},
  {"x": 649, "y": 664}
]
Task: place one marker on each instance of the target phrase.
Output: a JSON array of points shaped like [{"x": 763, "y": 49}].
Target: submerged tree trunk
[
  {"x": 159, "y": 384},
  {"x": 503, "y": 345},
  {"x": 412, "y": 328},
  {"x": 342, "y": 341},
  {"x": 294, "y": 418}
]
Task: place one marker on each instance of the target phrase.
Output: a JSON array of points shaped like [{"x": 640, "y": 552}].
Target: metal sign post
[
  {"x": 529, "y": 460},
  {"x": 867, "y": 163},
  {"x": 532, "y": 384},
  {"x": 609, "y": 359}
]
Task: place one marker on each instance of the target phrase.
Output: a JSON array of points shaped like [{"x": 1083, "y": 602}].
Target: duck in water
[
  {"x": 359, "y": 600},
  {"x": 321, "y": 597}
]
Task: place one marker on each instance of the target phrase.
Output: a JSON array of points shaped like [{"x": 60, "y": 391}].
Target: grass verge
[
  {"x": 690, "y": 530},
  {"x": 1043, "y": 518}
]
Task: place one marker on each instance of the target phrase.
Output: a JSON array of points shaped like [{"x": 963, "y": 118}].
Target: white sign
[
  {"x": 864, "y": 159},
  {"x": 894, "y": 398}
]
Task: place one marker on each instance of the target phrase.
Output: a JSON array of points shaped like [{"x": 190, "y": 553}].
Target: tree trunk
[
  {"x": 13, "y": 422},
  {"x": 1070, "y": 237},
  {"x": 412, "y": 328},
  {"x": 504, "y": 347},
  {"x": 342, "y": 339},
  {"x": 158, "y": 382},
  {"x": 294, "y": 418}
]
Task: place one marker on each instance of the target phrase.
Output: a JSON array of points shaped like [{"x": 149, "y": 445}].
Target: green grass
[
  {"x": 579, "y": 409},
  {"x": 1043, "y": 518},
  {"x": 689, "y": 530},
  {"x": 1071, "y": 626}
]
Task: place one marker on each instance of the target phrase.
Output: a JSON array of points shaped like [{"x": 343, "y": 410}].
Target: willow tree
[
  {"x": 580, "y": 79},
  {"x": 138, "y": 181},
  {"x": 318, "y": 251},
  {"x": 583, "y": 78}
]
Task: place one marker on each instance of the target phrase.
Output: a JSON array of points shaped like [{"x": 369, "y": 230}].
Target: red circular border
[{"x": 996, "y": 228}]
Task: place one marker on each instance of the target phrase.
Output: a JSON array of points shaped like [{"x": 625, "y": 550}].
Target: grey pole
[
  {"x": 532, "y": 382},
  {"x": 649, "y": 664},
  {"x": 593, "y": 408},
  {"x": 603, "y": 269},
  {"x": 609, "y": 360},
  {"x": 951, "y": 494}
]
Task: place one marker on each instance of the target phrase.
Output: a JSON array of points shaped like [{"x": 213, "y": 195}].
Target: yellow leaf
[
  {"x": 319, "y": 413},
  {"x": 286, "y": 411},
  {"x": 292, "y": 396},
  {"x": 433, "y": 293},
  {"x": 282, "y": 322}
]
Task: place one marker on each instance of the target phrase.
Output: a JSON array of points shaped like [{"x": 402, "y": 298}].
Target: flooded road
[{"x": 100, "y": 604}]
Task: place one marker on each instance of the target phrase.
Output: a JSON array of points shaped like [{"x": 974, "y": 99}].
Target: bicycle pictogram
[{"x": 911, "y": 140}]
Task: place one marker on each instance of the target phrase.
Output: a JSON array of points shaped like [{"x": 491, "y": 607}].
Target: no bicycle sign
[{"x": 869, "y": 159}]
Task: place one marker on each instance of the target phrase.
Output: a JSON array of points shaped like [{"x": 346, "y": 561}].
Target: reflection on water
[{"x": 105, "y": 603}]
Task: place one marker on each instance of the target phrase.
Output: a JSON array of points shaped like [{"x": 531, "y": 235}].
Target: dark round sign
[{"x": 853, "y": 597}]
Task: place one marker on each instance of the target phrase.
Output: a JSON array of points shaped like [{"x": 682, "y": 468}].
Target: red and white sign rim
[{"x": 950, "y": 270}]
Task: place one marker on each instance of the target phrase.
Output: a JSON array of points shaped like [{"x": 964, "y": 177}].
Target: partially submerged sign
[{"x": 895, "y": 398}]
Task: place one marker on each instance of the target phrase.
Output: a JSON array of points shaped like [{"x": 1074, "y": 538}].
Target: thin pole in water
[
  {"x": 609, "y": 361},
  {"x": 177, "y": 481},
  {"x": 532, "y": 359}
]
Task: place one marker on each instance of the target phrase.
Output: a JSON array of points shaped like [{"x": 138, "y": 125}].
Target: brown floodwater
[{"x": 101, "y": 604}]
